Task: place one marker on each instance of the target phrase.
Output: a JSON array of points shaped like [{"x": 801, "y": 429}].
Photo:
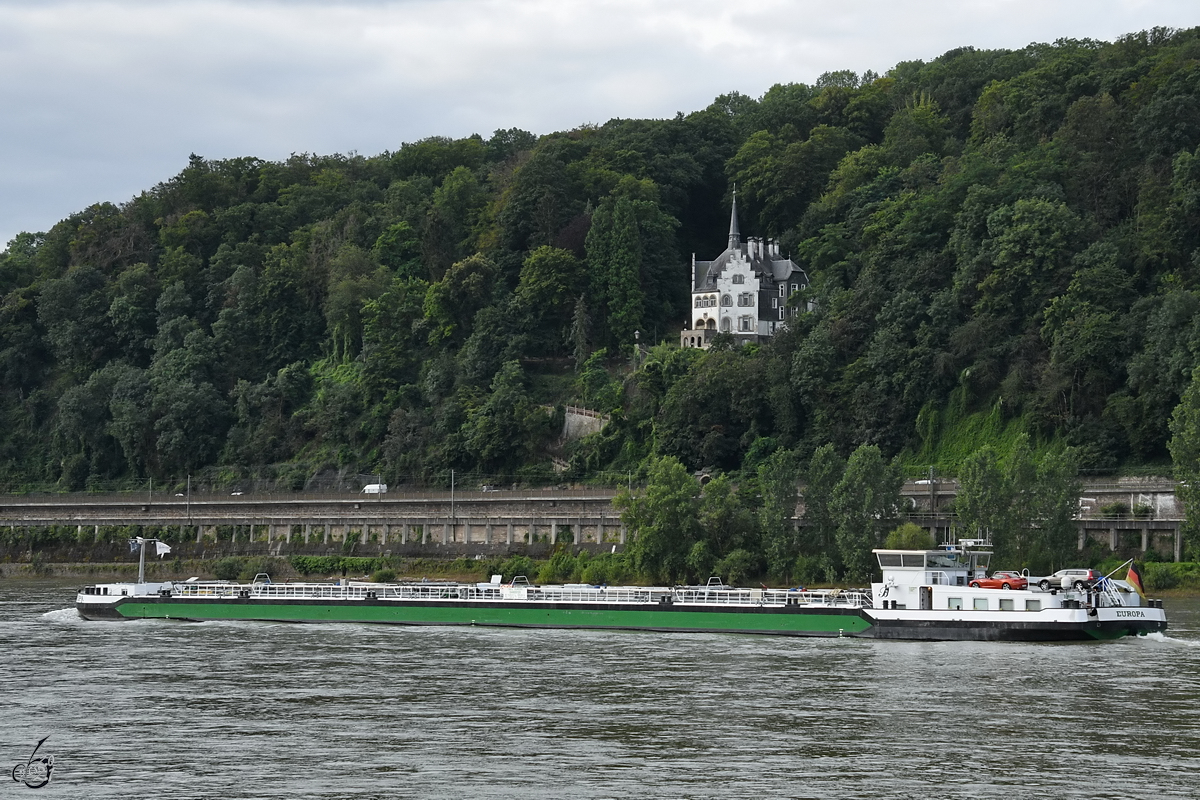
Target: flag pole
[{"x": 161, "y": 548}]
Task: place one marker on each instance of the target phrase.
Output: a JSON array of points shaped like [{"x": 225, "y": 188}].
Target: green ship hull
[{"x": 781, "y": 621}]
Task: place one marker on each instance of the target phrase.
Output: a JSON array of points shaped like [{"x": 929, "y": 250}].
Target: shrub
[
  {"x": 316, "y": 565},
  {"x": 815, "y": 569},
  {"x": 1117, "y": 510},
  {"x": 384, "y": 576},
  {"x": 228, "y": 568},
  {"x": 259, "y": 564},
  {"x": 736, "y": 567},
  {"x": 1159, "y": 575},
  {"x": 518, "y": 565},
  {"x": 595, "y": 572}
]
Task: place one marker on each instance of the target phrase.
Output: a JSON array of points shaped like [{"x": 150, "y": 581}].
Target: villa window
[
  {"x": 743, "y": 323},
  {"x": 745, "y": 299},
  {"x": 781, "y": 313},
  {"x": 774, "y": 302},
  {"x": 795, "y": 287},
  {"x": 699, "y": 302},
  {"x": 727, "y": 300},
  {"x": 739, "y": 278},
  {"x": 725, "y": 325},
  {"x": 783, "y": 290}
]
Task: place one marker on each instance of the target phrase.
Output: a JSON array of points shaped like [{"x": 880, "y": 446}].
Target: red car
[{"x": 1001, "y": 580}]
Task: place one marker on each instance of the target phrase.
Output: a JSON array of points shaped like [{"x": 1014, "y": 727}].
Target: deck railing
[{"x": 432, "y": 592}]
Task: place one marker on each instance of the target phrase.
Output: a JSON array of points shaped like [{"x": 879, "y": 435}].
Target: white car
[{"x": 1067, "y": 579}]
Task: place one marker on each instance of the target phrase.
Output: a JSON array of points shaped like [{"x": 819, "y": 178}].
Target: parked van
[{"x": 375, "y": 488}]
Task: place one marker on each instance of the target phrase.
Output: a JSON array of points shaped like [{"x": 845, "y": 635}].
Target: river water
[{"x": 153, "y": 709}]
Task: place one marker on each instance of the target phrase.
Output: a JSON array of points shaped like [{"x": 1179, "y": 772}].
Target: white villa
[{"x": 744, "y": 291}]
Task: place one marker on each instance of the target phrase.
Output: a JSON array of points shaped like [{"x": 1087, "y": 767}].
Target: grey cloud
[{"x": 103, "y": 100}]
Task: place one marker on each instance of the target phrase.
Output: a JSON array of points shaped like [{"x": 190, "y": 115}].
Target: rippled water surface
[{"x": 242, "y": 709}]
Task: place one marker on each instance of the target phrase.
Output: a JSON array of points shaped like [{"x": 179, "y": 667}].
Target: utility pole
[
  {"x": 189, "y": 498},
  {"x": 451, "y": 494}
]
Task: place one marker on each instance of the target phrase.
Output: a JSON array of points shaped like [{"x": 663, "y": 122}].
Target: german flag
[{"x": 1134, "y": 579}]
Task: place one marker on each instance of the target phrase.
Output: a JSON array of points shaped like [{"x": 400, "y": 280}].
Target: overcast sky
[{"x": 102, "y": 100}]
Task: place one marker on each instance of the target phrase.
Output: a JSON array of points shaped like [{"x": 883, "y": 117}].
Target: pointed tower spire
[{"x": 735, "y": 236}]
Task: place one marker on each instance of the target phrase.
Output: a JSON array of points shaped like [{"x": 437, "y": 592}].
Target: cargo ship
[{"x": 922, "y": 595}]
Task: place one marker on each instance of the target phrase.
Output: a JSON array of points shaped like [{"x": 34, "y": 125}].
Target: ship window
[
  {"x": 954, "y": 604},
  {"x": 1006, "y": 605},
  {"x": 942, "y": 560},
  {"x": 1033, "y": 605},
  {"x": 739, "y": 278},
  {"x": 913, "y": 560},
  {"x": 889, "y": 559},
  {"x": 981, "y": 604}
]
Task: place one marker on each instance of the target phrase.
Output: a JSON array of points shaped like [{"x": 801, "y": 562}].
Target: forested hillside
[{"x": 1001, "y": 243}]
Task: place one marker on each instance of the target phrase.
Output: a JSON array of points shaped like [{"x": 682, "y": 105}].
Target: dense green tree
[
  {"x": 778, "y": 479},
  {"x": 865, "y": 501},
  {"x": 821, "y": 476},
  {"x": 909, "y": 536},
  {"x": 726, "y": 518},
  {"x": 662, "y": 520},
  {"x": 503, "y": 432},
  {"x": 1185, "y": 455},
  {"x": 547, "y": 294}
]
